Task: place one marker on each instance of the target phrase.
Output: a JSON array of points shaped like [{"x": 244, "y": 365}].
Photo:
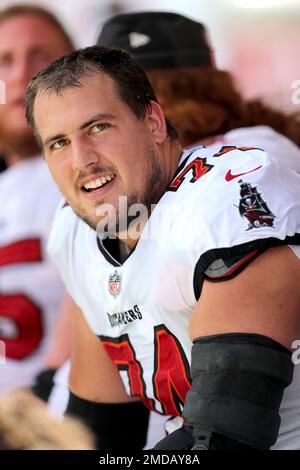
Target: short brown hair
[
  {"x": 20, "y": 9},
  {"x": 130, "y": 80}
]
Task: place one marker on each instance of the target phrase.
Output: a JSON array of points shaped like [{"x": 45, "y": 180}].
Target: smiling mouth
[{"x": 98, "y": 183}]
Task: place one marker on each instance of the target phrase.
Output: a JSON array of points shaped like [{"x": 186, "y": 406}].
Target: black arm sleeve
[
  {"x": 238, "y": 380},
  {"x": 116, "y": 426},
  {"x": 43, "y": 384}
]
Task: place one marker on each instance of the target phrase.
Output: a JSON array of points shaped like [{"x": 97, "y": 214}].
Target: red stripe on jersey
[{"x": 22, "y": 251}]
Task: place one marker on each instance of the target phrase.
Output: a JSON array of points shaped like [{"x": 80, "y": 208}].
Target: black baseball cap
[{"x": 158, "y": 39}]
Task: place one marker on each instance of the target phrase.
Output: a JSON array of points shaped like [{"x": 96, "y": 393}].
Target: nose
[
  {"x": 84, "y": 155},
  {"x": 22, "y": 72}
]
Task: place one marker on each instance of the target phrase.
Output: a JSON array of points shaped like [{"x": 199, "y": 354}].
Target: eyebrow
[{"x": 97, "y": 117}]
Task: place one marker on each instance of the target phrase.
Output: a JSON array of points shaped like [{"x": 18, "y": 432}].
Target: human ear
[{"x": 157, "y": 122}]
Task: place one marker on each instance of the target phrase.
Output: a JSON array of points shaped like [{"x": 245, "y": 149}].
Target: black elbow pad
[{"x": 238, "y": 381}]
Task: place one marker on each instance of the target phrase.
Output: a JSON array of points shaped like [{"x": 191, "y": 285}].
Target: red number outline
[
  {"x": 17, "y": 306},
  {"x": 169, "y": 391},
  {"x": 122, "y": 353},
  {"x": 199, "y": 167},
  {"x": 171, "y": 377}
]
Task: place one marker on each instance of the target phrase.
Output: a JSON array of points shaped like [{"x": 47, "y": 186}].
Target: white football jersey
[
  {"x": 265, "y": 138},
  {"x": 30, "y": 286},
  {"x": 220, "y": 211}
]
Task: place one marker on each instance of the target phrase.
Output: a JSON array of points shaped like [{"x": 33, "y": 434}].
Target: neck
[
  {"x": 130, "y": 237},
  {"x": 171, "y": 153}
]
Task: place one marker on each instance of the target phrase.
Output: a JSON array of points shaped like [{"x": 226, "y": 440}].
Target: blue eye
[
  {"x": 58, "y": 144},
  {"x": 99, "y": 127}
]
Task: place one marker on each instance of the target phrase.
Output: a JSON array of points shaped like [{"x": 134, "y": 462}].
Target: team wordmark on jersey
[
  {"x": 123, "y": 318},
  {"x": 254, "y": 208}
]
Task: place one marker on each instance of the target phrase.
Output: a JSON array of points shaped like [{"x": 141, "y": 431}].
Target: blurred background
[{"x": 257, "y": 40}]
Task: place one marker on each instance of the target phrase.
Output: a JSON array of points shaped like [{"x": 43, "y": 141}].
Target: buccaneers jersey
[
  {"x": 263, "y": 137},
  {"x": 224, "y": 206},
  {"x": 30, "y": 289}
]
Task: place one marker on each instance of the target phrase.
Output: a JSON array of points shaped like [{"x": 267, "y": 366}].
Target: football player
[{"x": 183, "y": 265}]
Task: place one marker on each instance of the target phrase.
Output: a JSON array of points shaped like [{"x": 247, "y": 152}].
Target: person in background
[
  {"x": 26, "y": 424},
  {"x": 200, "y": 100},
  {"x": 30, "y": 288}
]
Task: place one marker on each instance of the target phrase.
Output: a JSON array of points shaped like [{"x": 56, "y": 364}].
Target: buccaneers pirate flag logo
[
  {"x": 114, "y": 284},
  {"x": 254, "y": 208}
]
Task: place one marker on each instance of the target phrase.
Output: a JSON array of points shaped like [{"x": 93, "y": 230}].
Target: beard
[
  {"x": 119, "y": 219},
  {"x": 17, "y": 142}
]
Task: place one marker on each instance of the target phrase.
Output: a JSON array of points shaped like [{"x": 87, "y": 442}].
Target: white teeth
[{"x": 99, "y": 182}]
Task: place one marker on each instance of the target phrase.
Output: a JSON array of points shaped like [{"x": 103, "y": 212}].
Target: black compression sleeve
[
  {"x": 116, "y": 426},
  {"x": 43, "y": 384},
  {"x": 238, "y": 380}
]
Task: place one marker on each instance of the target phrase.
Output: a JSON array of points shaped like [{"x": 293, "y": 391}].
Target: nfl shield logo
[{"x": 114, "y": 284}]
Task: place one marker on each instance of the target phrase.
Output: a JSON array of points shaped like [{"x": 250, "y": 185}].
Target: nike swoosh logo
[{"x": 229, "y": 176}]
